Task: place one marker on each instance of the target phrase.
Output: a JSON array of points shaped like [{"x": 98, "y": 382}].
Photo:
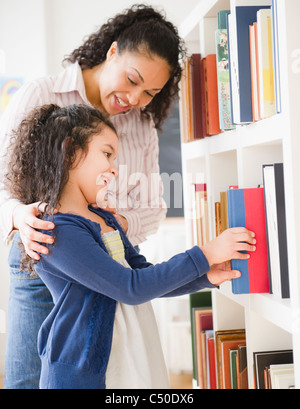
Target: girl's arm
[{"x": 77, "y": 256}]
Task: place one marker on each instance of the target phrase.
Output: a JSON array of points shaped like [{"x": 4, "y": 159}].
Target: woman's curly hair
[
  {"x": 139, "y": 28},
  {"x": 42, "y": 151}
]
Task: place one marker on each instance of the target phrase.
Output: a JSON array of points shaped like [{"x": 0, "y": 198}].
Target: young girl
[{"x": 101, "y": 331}]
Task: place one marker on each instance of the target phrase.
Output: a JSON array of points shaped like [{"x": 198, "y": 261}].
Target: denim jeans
[{"x": 29, "y": 304}]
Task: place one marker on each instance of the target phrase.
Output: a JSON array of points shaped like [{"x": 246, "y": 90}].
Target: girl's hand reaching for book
[
  {"x": 218, "y": 274},
  {"x": 229, "y": 244}
]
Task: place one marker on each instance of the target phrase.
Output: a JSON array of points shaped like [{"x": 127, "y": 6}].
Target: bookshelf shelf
[
  {"x": 235, "y": 157},
  {"x": 269, "y": 132}
]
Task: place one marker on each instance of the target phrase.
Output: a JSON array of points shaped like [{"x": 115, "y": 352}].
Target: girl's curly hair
[
  {"x": 42, "y": 151},
  {"x": 139, "y": 28}
]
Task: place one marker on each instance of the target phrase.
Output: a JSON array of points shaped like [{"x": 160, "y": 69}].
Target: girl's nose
[{"x": 114, "y": 171}]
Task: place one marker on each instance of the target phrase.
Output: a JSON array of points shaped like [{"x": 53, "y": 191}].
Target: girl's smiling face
[
  {"x": 128, "y": 80},
  {"x": 93, "y": 171}
]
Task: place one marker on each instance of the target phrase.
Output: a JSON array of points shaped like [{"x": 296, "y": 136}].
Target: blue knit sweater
[{"x": 74, "y": 342}]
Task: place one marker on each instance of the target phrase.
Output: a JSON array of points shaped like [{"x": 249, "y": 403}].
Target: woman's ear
[{"x": 112, "y": 51}]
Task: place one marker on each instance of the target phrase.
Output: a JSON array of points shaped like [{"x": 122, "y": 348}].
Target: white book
[{"x": 272, "y": 228}]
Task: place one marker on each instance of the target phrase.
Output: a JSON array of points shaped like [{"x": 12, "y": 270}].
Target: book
[
  {"x": 266, "y": 358},
  {"x": 242, "y": 368},
  {"x": 186, "y": 102},
  {"x": 254, "y": 72},
  {"x": 224, "y": 96},
  {"x": 202, "y": 317},
  {"x": 196, "y": 96},
  {"x": 246, "y": 208},
  {"x": 226, "y": 346},
  {"x": 233, "y": 367},
  {"x": 273, "y": 177},
  {"x": 224, "y": 211},
  {"x": 199, "y": 299},
  {"x": 203, "y": 96},
  {"x": 211, "y": 95},
  {"x": 265, "y": 63},
  {"x": 212, "y": 363},
  {"x": 218, "y": 221},
  {"x": 241, "y": 17},
  {"x": 201, "y": 214},
  {"x": 224, "y": 341},
  {"x": 281, "y": 376},
  {"x": 276, "y": 56}
]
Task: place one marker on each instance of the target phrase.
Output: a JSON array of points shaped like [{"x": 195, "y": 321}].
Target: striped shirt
[{"x": 138, "y": 191}]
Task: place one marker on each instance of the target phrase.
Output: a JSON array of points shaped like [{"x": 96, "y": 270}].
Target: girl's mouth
[{"x": 103, "y": 180}]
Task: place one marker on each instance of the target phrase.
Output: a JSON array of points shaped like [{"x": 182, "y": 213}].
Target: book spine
[
  {"x": 225, "y": 116},
  {"x": 282, "y": 235},
  {"x": 236, "y": 218},
  {"x": 256, "y": 222}
]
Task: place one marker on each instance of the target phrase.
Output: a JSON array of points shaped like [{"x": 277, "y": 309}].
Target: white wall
[
  {"x": 22, "y": 37},
  {"x": 69, "y": 21},
  {"x": 35, "y": 35}
]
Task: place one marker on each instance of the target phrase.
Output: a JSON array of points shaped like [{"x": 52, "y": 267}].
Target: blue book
[
  {"x": 244, "y": 17},
  {"x": 236, "y": 218}
]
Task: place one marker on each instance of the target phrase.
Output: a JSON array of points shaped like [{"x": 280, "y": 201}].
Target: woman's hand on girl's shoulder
[{"x": 25, "y": 219}]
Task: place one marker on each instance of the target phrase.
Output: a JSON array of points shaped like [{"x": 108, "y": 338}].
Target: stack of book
[
  {"x": 240, "y": 84},
  {"x": 274, "y": 369},
  {"x": 220, "y": 357},
  {"x": 261, "y": 210}
]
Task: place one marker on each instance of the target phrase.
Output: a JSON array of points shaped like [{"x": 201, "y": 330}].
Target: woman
[{"x": 130, "y": 68}]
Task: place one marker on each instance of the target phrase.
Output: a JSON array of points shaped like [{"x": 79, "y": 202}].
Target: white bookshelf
[{"x": 236, "y": 157}]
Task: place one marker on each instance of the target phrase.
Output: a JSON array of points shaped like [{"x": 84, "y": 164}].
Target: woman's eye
[
  {"x": 147, "y": 92},
  {"x": 150, "y": 95},
  {"x": 108, "y": 154},
  {"x": 131, "y": 81}
]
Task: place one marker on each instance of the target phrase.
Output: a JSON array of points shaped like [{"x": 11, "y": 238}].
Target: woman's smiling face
[{"x": 130, "y": 80}]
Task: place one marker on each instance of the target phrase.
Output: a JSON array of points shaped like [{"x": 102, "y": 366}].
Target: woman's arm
[
  {"x": 14, "y": 215},
  {"x": 146, "y": 207}
]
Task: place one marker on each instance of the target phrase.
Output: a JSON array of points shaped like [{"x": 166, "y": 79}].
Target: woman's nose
[{"x": 134, "y": 98}]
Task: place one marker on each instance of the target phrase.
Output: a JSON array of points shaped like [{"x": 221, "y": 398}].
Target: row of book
[
  {"x": 239, "y": 84},
  {"x": 261, "y": 210},
  {"x": 220, "y": 357}
]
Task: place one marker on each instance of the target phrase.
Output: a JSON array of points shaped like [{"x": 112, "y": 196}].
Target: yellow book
[{"x": 265, "y": 58}]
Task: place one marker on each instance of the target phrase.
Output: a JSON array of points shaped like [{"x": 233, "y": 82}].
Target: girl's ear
[{"x": 112, "y": 51}]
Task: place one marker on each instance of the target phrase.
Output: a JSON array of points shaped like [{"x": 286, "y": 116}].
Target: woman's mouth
[{"x": 121, "y": 105}]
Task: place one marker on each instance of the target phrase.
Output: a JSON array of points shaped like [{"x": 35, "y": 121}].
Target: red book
[
  {"x": 212, "y": 95},
  {"x": 196, "y": 95},
  {"x": 246, "y": 208},
  {"x": 212, "y": 363}
]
